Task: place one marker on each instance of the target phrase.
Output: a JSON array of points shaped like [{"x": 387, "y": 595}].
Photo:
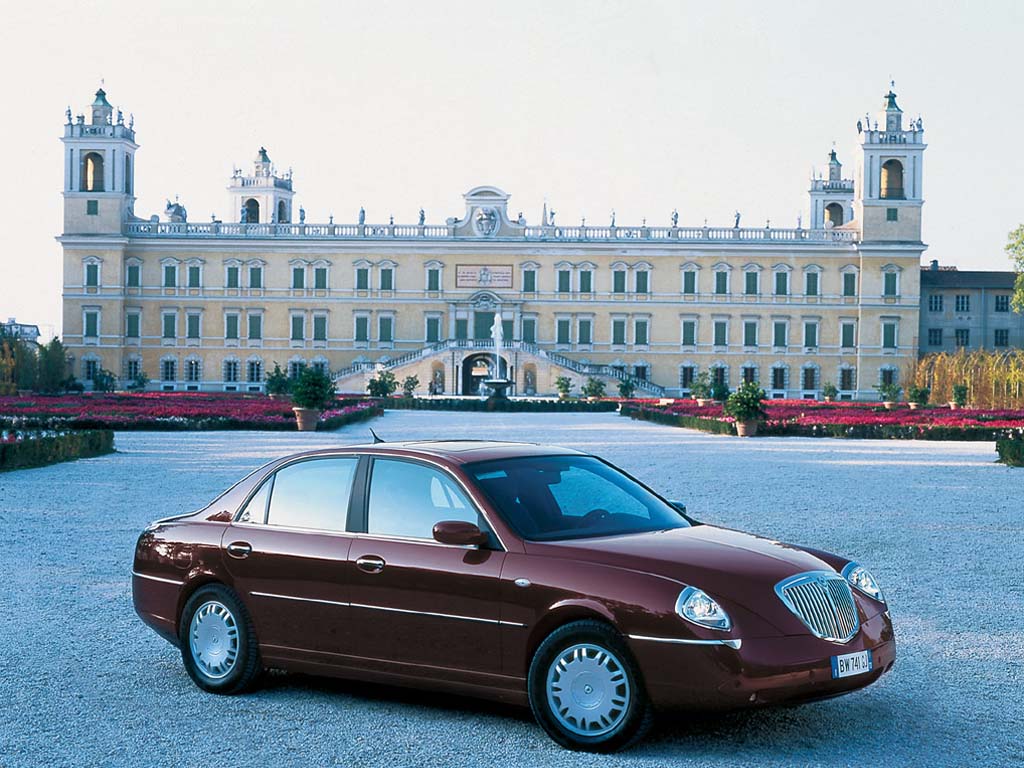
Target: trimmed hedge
[
  {"x": 509, "y": 406},
  {"x": 1011, "y": 450},
  {"x": 40, "y": 450},
  {"x": 713, "y": 426},
  {"x": 336, "y": 422}
]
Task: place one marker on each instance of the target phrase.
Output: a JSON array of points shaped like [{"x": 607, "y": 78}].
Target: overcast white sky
[{"x": 640, "y": 106}]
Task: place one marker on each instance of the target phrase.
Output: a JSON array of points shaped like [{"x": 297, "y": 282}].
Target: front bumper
[{"x": 775, "y": 670}]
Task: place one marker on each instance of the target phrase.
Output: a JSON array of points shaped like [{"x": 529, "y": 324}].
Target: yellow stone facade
[{"x": 213, "y": 306}]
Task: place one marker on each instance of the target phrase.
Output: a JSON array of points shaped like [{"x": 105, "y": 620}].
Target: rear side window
[
  {"x": 313, "y": 494},
  {"x": 407, "y": 499}
]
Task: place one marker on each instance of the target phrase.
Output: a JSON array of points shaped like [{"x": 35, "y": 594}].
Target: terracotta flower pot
[
  {"x": 307, "y": 418},
  {"x": 888, "y": 404},
  {"x": 913, "y": 406},
  {"x": 953, "y": 406},
  {"x": 278, "y": 396},
  {"x": 828, "y": 399},
  {"x": 746, "y": 428},
  {"x": 703, "y": 401}
]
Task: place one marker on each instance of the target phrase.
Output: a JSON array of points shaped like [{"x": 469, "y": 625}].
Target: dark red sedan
[{"x": 522, "y": 573}]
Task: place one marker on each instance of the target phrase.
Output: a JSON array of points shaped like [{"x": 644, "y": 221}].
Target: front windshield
[{"x": 547, "y": 498}]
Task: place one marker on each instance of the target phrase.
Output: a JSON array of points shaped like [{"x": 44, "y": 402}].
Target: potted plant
[
  {"x": 564, "y": 386},
  {"x": 917, "y": 396},
  {"x": 626, "y": 389},
  {"x": 593, "y": 389},
  {"x": 700, "y": 388},
  {"x": 889, "y": 393},
  {"x": 746, "y": 406},
  {"x": 312, "y": 392},
  {"x": 830, "y": 391},
  {"x": 409, "y": 385},
  {"x": 383, "y": 386},
  {"x": 959, "y": 397},
  {"x": 277, "y": 383}
]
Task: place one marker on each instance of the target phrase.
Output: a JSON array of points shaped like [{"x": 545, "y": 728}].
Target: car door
[
  {"x": 288, "y": 553},
  {"x": 414, "y": 600}
]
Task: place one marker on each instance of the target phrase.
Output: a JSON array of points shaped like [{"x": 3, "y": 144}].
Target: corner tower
[
  {"x": 831, "y": 198},
  {"x": 263, "y": 197},
  {"x": 889, "y": 198},
  {"x": 99, "y": 169}
]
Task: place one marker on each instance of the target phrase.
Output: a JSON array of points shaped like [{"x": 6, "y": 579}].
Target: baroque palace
[{"x": 212, "y": 306}]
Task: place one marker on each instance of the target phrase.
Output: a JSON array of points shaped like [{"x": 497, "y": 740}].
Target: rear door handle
[
  {"x": 370, "y": 564},
  {"x": 239, "y": 549}
]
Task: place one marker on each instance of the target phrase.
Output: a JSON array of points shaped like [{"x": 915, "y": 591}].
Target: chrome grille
[{"x": 823, "y": 601}]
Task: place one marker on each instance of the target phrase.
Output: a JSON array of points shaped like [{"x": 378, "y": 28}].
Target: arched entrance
[{"x": 478, "y": 368}]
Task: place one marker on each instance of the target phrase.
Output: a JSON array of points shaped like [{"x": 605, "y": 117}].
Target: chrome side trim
[
  {"x": 438, "y": 615},
  {"x": 158, "y": 578},
  {"x": 299, "y": 599},
  {"x": 735, "y": 644}
]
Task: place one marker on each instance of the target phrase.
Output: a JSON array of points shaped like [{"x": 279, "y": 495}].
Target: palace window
[
  {"x": 134, "y": 279},
  {"x": 846, "y": 379},
  {"x": 131, "y": 325},
  {"x": 963, "y": 337},
  {"x": 689, "y": 333},
  {"x": 720, "y": 375},
  {"x": 462, "y": 328},
  {"x": 963, "y": 302},
  {"x": 619, "y": 281},
  {"x": 643, "y": 279},
  {"x": 721, "y": 282},
  {"x": 92, "y": 275},
  {"x": 847, "y": 335},
  {"x": 132, "y": 369},
  {"x": 721, "y": 333},
  {"x": 889, "y": 335},
  {"x": 888, "y": 376},
  {"x": 564, "y": 280},
  {"x": 892, "y": 214},
  {"x": 295, "y": 368},
  {"x": 640, "y": 335},
  {"x": 298, "y": 324},
  {"x": 750, "y": 333},
  {"x": 231, "y": 326},
  {"x": 194, "y": 276},
  {"x": 434, "y": 279},
  {"x": 192, "y": 370},
  {"x": 1002, "y": 302},
  {"x": 849, "y": 284},
  {"x": 780, "y": 334},
  {"x": 170, "y": 326},
  {"x": 231, "y": 371},
  {"x": 255, "y": 327},
  {"x": 562, "y": 328},
  {"x": 320, "y": 278},
  {"x": 810, "y": 335},
  {"x": 687, "y": 373},
  {"x": 387, "y": 279},
  {"x": 231, "y": 277},
  {"x": 1002, "y": 337},
  {"x": 749, "y": 373},
  {"x": 811, "y": 280},
  {"x": 891, "y": 287},
  {"x": 779, "y": 377},
  {"x": 782, "y": 283},
  {"x": 362, "y": 328},
  {"x": 529, "y": 281},
  {"x": 192, "y": 326},
  {"x": 168, "y": 370},
  {"x": 619, "y": 332},
  {"x": 584, "y": 333},
  {"x": 319, "y": 327},
  {"x": 750, "y": 287},
  {"x": 386, "y": 329},
  {"x": 362, "y": 279},
  {"x": 935, "y": 302},
  {"x": 810, "y": 378},
  {"x": 298, "y": 278},
  {"x": 433, "y": 329},
  {"x": 640, "y": 372},
  {"x": 586, "y": 281},
  {"x": 170, "y": 276},
  {"x": 255, "y": 277},
  {"x": 254, "y": 372},
  {"x": 934, "y": 337},
  {"x": 92, "y": 324},
  {"x": 530, "y": 330},
  {"x": 690, "y": 282}
]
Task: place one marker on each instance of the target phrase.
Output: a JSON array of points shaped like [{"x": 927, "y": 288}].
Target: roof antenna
[{"x": 376, "y": 437}]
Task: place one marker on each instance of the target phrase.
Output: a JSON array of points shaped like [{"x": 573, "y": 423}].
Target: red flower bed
[{"x": 167, "y": 410}]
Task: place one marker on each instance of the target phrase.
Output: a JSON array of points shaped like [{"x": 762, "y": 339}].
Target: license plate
[{"x": 850, "y": 664}]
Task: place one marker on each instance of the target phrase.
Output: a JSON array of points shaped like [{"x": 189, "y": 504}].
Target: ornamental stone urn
[
  {"x": 703, "y": 401},
  {"x": 307, "y": 418},
  {"x": 888, "y": 404},
  {"x": 746, "y": 428}
]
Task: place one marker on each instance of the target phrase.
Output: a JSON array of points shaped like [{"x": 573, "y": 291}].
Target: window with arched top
[
  {"x": 252, "y": 211},
  {"x": 834, "y": 214},
  {"x": 892, "y": 180},
  {"x": 92, "y": 172},
  {"x": 282, "y": 212}
]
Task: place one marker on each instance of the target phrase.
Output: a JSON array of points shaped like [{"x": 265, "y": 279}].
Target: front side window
[
  {"x": 530, "y": 330},
  {"x": 230, "y": 326},
  {"x": 320, "y": 328},
  {"x": 170, "y": 330},
  {"x": 810, "y": 335},
  {"x": 562, "y": 331},
  {"x": 312, "y": 494},
  {"x": 386, "y": 329},
  {"x": 963, "y": 337},
  {"x": 92, "y": 324},
  {"x": 780, "y": 334},
  {"x": 934, "y": 337},
  {"x": 362, "y": 279},
  {"x": 131, "y": 328},
  {"x": 298, "y": 327},
  {"x": 408, "y": 499},
  {"x": 192, "y": 326},
  {"x": 618, "y": 332},
  {"x": 362, "y": 329},
  {"x": 847, "y": 332},
  {"x": 750, "y": 284},
  {"x": 387, "y": 279},
  {"x": 721, "y": 333},
  {"x": 963, "y": 302},
  {"x": 689, "y": 333},
  {"x": 811, "y": 288},
  {"x": 320, "y": 278},
  {"x": 1002, "y": 337},
  {"x": 781, "y": 283},
  {"x": 935, "y": 302},
  {"x": 433, "y": 279},
  {"x": 586, "y": 281},
  {"x": 231, "y": 279},
  {"x": 548, "y": 498},
  {"x": 433, "y": 329},
  {"x": 778, "y": 378},
  {"x": 750, "y": 333},
  {"x": 889, "y": 335},
  {"x": 585, "y": 336}
]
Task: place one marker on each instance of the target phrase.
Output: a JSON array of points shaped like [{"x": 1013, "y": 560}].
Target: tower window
[
  {"x": 92, "y": 172},
  {"x": 282, "y": 213},
  {"x": 892, "y": 214},
  {"x": 252, "y": 211},
  {"x": 92, "y": 275},
  {"x": 834, "y": 214},
  {"x": 92, "y": 207},
  {"x": 892, "y": 180}
]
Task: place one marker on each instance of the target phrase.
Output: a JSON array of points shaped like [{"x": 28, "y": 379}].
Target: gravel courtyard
[{"x": 84, "y": 683}]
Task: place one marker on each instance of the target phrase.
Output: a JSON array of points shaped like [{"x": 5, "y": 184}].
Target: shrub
[
  {"x": 1011, "y": 450},
  {"x": 701, "y": 386},
  {"x": 138, "y": 383},
  {"x": 564, "y": 385},
  {"x": 593, "y": 388},
  {"x": 103, "y": 381},
  {"x": 918, "y": 395},
  {"x": 889, "y": 393},
  {"x": 38, "y": 450},
  {"x": 384, "y": 385},
  {"x": 277, "y": 381},
  {"x": 745, "y": 404},
  {"x": 508, "y": 406},
  {"x": 409, "y": 385},
  {"x": 626, "y": 389},
  {"x": 313, "y": 389},
  {"x": 960, "y": 394},
  {"x": 53, "y": 367},
  {"x": 830, "y": 390},
  {"x": 719, "y": 391}
]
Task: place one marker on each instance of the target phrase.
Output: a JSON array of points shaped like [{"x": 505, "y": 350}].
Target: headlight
[
  {"x": 697, "y": 606},
  {"x": 860, "y": 578}
]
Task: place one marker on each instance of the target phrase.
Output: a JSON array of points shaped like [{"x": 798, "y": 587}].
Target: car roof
[{"x": 454, "y": 451}]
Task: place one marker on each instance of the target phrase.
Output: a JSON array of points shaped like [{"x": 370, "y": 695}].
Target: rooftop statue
[
  {"x": 737, "y": 223},
  {"x": 362, "y": 215},
  {"x": 675, "y": 218},
  {"x": 423, "y": 217}
]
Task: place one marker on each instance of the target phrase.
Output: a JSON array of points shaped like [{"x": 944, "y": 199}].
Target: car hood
[{"x": 733, "y": 565}]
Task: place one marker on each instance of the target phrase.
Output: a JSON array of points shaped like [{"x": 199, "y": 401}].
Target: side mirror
[
  {"x": 459, "y": 533},
  {"x": 681, "y": 508}
]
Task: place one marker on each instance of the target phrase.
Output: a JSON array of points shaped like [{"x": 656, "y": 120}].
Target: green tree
[
  {"x": 1015, "y": 250},
  {"x": 53, "y": 367},
  {"x": 383, "y": 386}
]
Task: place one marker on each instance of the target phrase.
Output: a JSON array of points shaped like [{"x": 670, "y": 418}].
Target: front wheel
[
  {"x": 218, "y": 645},
  {"x": 585, "y": 689}
]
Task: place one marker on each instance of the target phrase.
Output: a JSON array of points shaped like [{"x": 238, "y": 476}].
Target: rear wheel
[
  {"x": 218, "y": 645},
  {"x": 585, "y": 689}
]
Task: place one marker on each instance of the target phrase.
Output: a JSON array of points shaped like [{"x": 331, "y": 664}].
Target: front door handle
[
  {"x": 370, "y": 564},
  {"x": 239, "y": 549}
]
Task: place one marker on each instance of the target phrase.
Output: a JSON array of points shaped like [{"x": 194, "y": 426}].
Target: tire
[
  {"x": 586, "y": 691},
  {"x": 218, "y": 644}
]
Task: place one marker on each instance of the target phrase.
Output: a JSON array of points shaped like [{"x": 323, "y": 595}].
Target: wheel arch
[
  {"x": 565, "y": 612},
  {"x": 193, "y": 583}
]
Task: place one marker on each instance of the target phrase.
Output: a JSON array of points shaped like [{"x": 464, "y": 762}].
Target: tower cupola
[
  {"x": 893, "y": 114},
  {"x": 101, "y": 109},
  {"x": 835, "y": 168}
]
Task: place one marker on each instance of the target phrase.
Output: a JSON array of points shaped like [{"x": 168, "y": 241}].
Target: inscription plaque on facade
[{"x": 483, "y": 276}]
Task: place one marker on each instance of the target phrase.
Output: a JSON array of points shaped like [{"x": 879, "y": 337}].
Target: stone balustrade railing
[{"x": 529, "y": 233}]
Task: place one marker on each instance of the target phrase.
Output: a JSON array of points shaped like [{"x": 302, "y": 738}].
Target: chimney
[{"x": 935, "y": 265}]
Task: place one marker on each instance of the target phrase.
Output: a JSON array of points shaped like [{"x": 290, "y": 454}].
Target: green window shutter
[
  {"x": 320, "y": 278},
  {"x": 529, "y": 281},
  {"x": 255, "y": 326},
  {"x": 362, "y": 329},
  {"x": 170, "y": 276},
  {"x": 563, "y": 280},
  {"x": 92, "y": 275},
  {"x": 297, "y": 327},
  {"x": 751, "y": 284},
  {"x": 563, "y": 332},
  {"x": 779, "y": 335},
  {"x": 642, "y": 282},
  {"x": 689, "y": 333},
  {"x": 256, "y": 277},
  {"x": 848, "y": 331},
  {"x": 889, "y": 335},
  {"x": 362, "y": 279},
  {"x": 231, "y": 326},
  {"x": 689, "y": 282},
  {"x": 721, "y": 282},
  {"x": 232, "y": 277},
  {"x": 170, "y": 331},
  {"x": 319, "y": 328},
  {"x": 461, "y": 328},
  {"x": 890, "y": 283},
  {"x": 781, "y": 283},
  {"x": 640, "y": 333},
  {"x": 387, "y": 279},
  {"x": 530, "y": 330},
  {"x": 584, "y": 332},
  {"x": 721, "y": 333},
  {"x": 298, "y": 277},
  {"x": 507, "y": 329},
  {"x": 812, "y": 283},
  {"x": 849, "y": 284},
  {"x": 192, "y": 326},
  {"x": 810, "y": 335},
  {"x": 133, "y": 276},
  {"x": 433, "y": 329},
  {"x": 91, "y": 324},
  {"x": 433, "y": 280},
  {"x": 750, "y": 334},
  {"x": 193, "y": 277},
  {"x": 386, "y": 330},
  {"x": 619, "y": 282},
  {"x": 92, "y": 207},
  {"x": 619, "y": 332},
  {"x": 586, "y": 281},
  {"x": 131, "y": 329}
]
